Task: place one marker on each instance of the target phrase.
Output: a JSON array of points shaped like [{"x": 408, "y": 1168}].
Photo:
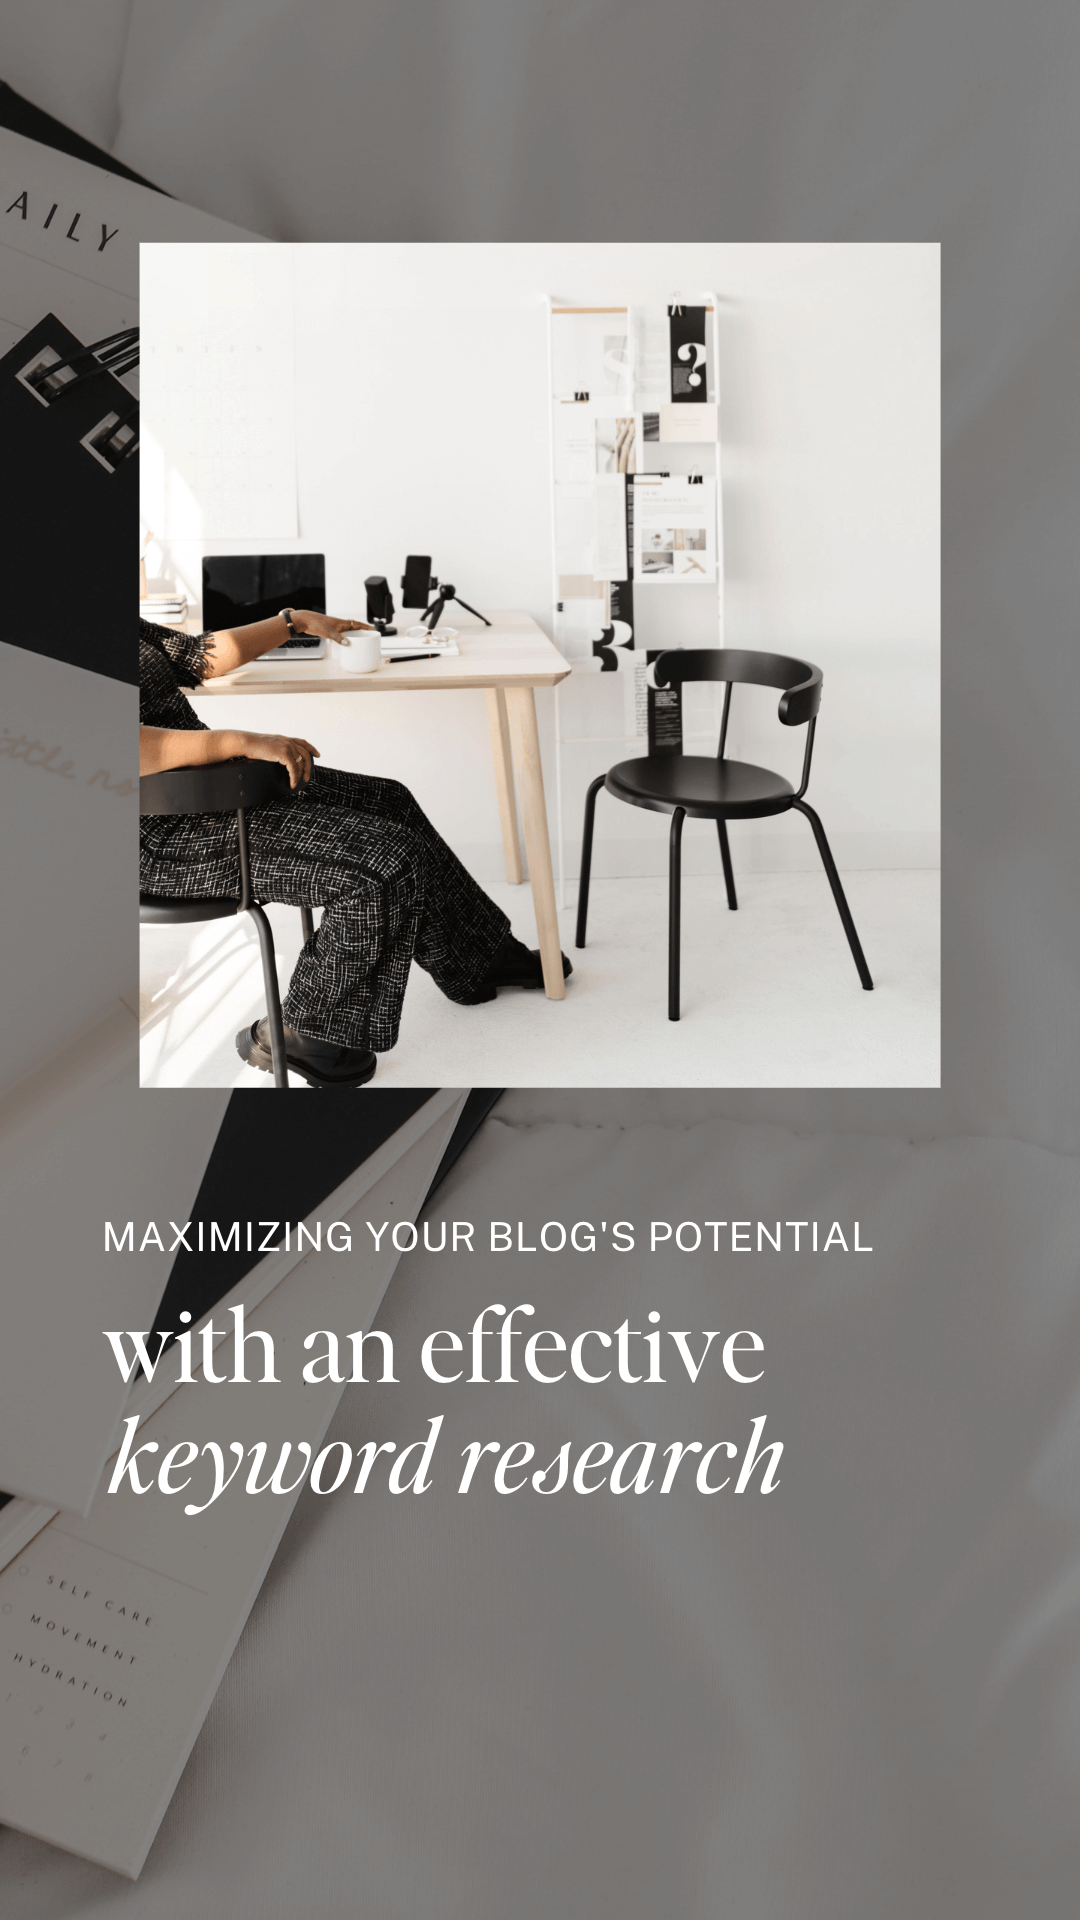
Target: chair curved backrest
[
  {"x": 230, "y": 786},
  {"x": 223, "y": 788},
  {"x": 799, "y": 680}
]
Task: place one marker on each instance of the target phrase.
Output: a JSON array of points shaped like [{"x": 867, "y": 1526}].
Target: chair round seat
[
  {"x": 687, "y": 785},
  {"x": 706, "y": 789},
  {"x": 173, "y": 910}
]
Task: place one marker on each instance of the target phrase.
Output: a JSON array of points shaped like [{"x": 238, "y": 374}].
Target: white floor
[{"x": 770, "y": 995}]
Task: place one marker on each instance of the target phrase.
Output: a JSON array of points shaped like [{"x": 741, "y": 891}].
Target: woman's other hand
[
  {"x": 293, "y": 754},
  {"x": 325, "y": 626}
]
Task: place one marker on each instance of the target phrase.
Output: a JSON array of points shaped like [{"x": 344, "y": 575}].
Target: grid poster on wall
[
  {"x": 635, "y": 465},
  {"x": 636, "y": 513}
]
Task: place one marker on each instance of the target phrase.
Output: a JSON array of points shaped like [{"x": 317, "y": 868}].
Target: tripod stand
[{"x": 430, "y": 618}]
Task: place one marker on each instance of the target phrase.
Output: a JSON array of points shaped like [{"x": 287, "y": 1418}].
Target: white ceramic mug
[{"x": 360, "y": 650}]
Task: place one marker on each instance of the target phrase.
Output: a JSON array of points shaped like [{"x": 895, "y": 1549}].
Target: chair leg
[
  {"x": 307, "y": 923},
  {"x": 273, "y": 998},
  {"x": 843, "y": 909},
  {"x": 674, "y": 915},
  {"x": 725, "y": 855},
  {"x": 586, "y": 860}
]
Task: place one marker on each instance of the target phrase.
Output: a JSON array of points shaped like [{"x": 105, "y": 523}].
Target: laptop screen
[{"x": 238, "y": 588}]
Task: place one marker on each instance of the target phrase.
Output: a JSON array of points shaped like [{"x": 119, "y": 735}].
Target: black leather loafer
[
  {"x": 322, "y": 1063},
  {"x": 515, "y": 965}
]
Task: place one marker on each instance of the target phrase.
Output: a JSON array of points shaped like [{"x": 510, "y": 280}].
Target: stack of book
[{"x": 164, "y": 609}]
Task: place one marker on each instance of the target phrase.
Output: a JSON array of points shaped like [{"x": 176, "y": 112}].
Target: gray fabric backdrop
[{"x": 862, "y": 1696}]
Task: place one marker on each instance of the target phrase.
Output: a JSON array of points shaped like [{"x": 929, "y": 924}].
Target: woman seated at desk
[{"x": 357, "y": 846}]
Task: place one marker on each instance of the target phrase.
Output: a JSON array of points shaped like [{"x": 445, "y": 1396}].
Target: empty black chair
[
  {"x": 720, "y": 789},
  {"x": 230, "y": 786}
]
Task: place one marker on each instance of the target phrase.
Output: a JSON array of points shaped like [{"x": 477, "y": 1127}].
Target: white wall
[{"x": 422, "y": 425}]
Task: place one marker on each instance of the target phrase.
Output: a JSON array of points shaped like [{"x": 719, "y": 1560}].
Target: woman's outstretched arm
[{"x": 233, "y": 647}]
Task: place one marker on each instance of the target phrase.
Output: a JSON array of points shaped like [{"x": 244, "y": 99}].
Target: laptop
[{"x": 239, "y": 588}]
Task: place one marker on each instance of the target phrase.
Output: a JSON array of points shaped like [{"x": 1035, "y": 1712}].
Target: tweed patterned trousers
[{"x": 391, "y": 891}]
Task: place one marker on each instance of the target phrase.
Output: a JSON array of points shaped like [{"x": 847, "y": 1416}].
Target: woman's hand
[
  {"x": 161, "y": 748},
  {"x": 324, "y": 625},
  {"x": 296, "y": 755}
]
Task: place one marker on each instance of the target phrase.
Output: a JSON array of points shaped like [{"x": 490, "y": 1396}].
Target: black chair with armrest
[
  {"x": 721, "y": 789},
  {"x": 232, "y": 786}
]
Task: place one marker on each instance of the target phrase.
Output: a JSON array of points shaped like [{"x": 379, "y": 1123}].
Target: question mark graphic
[{"x": 698, "y": 352}]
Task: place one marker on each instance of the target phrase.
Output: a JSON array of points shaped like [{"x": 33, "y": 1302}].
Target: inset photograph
[
  {"x": 502, "y": 723},
  {"x": 615, "y": 445}
]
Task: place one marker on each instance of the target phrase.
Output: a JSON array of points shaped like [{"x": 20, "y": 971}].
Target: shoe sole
[
  {"x": 254, "y": 1054},
  {"x": 491, "y": 993}
]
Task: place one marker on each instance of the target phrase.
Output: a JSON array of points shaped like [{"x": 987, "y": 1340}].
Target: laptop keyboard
[{"x": 299, "y": 649}]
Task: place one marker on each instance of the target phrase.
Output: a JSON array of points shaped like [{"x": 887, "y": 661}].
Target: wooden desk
[{"x": 507, "y": 659}]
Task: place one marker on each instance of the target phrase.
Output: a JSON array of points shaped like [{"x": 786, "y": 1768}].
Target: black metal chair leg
[
  {"x": 674, "y": 915},
  {"x": 307, "y": 923},
  {"x": 725, "y": 855},
  {"x": 586, "y": 861},
  {"x": 843, "y": 909},
  {"x": 273, "y": 997}
]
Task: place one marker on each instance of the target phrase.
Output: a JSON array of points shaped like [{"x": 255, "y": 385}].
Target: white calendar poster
[{"x": 218, "y": 393}]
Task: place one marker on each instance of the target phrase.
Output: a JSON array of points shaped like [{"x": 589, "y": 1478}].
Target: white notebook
[
  {"x": 47, "y": 266},
  {"x": 53, "y": 1415},
  {"x": 81, "y": 1142},
  {"x": 115, "y": 1630}
]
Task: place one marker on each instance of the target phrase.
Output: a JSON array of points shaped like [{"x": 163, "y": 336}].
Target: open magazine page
[
  {"x": 69, "y": 242},
  {"x": 69, "y": 246},
  {"x": 91, "y": 1760}
]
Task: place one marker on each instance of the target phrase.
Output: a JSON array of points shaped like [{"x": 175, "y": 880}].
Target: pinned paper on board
[
  {"x": 575, "y": 525},
  {"x": 592, "y": 356},
  {"x": 610, "y": 557},
  {"x": 635, "y": 470},
  {"x": 596, "y": 630},
  {"x": 689, "y": 372},
  {"x": 591, "y": 439},
  {"x": 616, "y": 450},
  {"x": 674, "y": 528},
  {"x": 671, "y": 359},
  {"x": 651, "y": 347},
  {"x": 575, "y": 440},
  {"x": 672, "y": 425}
]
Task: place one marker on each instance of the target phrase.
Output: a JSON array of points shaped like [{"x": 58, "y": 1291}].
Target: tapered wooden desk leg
[
  {"x": 521, "y": 708},
  {"x": 499, "y": 724}
]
